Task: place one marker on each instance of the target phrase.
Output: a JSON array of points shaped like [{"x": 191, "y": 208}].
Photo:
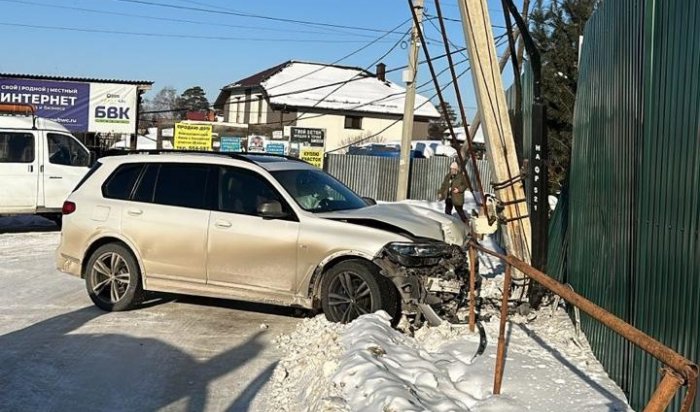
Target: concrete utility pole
[
  {"x": 493, "y": 111},
  {"x": 409, "y": 75}
]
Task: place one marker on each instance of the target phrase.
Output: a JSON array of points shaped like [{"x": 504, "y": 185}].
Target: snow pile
[{"x": 310, "y": 355}]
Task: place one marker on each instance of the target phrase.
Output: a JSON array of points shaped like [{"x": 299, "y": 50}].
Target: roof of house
[
  {"x": 342, "y": 88},
  {"x": 74, "y": 79}
]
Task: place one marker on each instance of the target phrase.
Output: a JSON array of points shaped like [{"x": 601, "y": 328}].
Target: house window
[
  {"x": 353, "y": 122},
  {"x": 238, "y": 110},
  {"x": 260, "y": 109}
]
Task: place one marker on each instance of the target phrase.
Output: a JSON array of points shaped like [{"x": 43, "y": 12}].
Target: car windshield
[{"x": 316, "y": 191}]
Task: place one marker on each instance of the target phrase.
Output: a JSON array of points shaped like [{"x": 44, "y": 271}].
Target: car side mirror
[
  {"x": 271, "y": 210},
  {"x": 369, "y": 201}
]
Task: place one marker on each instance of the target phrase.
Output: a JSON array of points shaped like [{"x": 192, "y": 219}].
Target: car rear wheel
[
  {"x": 112, "y": 278},
  {"x": 353, "y": 288}
]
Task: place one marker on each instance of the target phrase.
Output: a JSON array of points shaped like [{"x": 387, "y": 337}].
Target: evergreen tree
[
  {"x": 437, "y": 128},
  {"x": 556, "y": 27},
  {"x": 193, "y": 100}
]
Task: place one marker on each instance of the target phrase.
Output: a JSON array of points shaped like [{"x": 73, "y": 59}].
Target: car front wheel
[
  {"x": 353, "y": 288},
  {"x": 112, "y": 278}
]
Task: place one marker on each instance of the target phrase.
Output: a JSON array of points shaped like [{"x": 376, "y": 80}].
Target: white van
[{"x": 40, "y": 163}]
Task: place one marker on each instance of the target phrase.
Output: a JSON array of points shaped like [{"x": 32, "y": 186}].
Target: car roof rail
[{"x": 233, "y": 155}]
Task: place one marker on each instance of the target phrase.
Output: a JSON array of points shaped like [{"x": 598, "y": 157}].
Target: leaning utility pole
[
  {"x": 496, "y": 124},
  {"x": 409, "y": 76}
]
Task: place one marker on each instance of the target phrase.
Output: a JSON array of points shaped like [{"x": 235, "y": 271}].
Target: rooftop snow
[{"x": 363, "y": 92}]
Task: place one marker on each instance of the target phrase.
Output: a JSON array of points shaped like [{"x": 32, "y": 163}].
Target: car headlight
[{"x": 417, "y": 254}]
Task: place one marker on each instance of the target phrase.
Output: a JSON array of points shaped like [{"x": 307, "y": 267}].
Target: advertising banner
[
  {"x": 112, "y": 108},
  {"x": 306, "y": 136},
  {"x": 64, "y": 102},
  {"x": 256, "y": 144},
  {"x": 192, "y": 136},
  {"x": 79, "y": 107},
  {"x": 312, "y": 155},
  {"x": 275, "y": 148},
  {"x": 231, "y": 144}
]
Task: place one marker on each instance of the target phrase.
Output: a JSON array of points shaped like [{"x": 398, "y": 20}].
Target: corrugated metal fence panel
[
  {"x": 667, "y": 289},
  {"x": 426, "y": 177},
  {"x": 607, "y": 129},
  {"x": 558, "y": 239},
  {"x": 377, "y": 177}
]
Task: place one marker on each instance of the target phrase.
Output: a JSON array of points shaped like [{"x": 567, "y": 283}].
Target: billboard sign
[
  {"x": 79, "y": 107},
  {"x": 66, "y": 103},
  {"x": 312, "y": 155},
  {"x": 275, "y": 148},
  {"x": 307, "y": 136},
  {"x": 192, "y": 136},
  {"x": 230, "y": 144}
]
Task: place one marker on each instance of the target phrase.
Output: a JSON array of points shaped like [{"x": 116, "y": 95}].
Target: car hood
[{"x": 417, "y": 220}]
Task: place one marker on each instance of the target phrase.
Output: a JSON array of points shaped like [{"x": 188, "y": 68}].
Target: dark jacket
[{"x": 451, "y": 182}]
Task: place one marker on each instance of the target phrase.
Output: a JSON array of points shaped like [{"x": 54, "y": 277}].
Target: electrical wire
[
  {"x": 251, "y": 15},
  {"x": 174, "y": 20},
  {"x": 174, "y": 35}
]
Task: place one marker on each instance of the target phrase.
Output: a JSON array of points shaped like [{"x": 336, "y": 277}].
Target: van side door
[
  {"x": 65, "y": 162},
  {"x": 19, "y": 171}
]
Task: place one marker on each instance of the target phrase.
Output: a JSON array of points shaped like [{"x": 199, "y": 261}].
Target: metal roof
[{"x": 74, "y": 79}]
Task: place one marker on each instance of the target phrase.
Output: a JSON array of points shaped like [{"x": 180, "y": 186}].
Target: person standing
[{"x": 452, "y": 191}]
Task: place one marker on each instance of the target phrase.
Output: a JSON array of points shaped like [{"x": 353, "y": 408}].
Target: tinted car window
[
  {"x": 145, "y": 186},
  {"x": 65, "y": 150},
  {"x": 182, "y": 185},
  {"x": 243, "y": 191},
  {"x": 16, "y": 147},
  {"x": 121, "y": 183}
]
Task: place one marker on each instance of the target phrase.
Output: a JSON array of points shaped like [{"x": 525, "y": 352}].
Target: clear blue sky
[{"x": 180, "y": 47}]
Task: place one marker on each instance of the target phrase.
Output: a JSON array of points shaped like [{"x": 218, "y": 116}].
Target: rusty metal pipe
[
  {"x": 664, "y": 393},
  {"x": 472, "y": 286},
  {"x": 690, "y": 394},
  {"x": 501, "y": 350},
  {"x": 679, "y": 364}
]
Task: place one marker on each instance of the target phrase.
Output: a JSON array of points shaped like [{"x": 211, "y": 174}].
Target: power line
[
  {"x": 174, "y": 35},
  {"x": 397, "y": 120},
  {"x": 169, "y": 19},
  {"x": 254, "y": 16},
  {"x": 354, "y": 52}
]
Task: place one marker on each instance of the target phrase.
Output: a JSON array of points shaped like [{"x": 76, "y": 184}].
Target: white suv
[{"x": 257, "y": 228}]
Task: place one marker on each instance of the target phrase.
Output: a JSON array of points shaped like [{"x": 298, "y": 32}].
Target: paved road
[{"x": 60, "y": 353}]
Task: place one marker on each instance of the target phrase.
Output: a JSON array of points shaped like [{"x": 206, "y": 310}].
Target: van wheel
[
  {"x": 113, "y": 279},
  {"x": 353, "y": 288}
]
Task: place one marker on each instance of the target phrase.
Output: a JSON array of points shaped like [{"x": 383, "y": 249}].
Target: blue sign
[
  {"x": 275, "y": 148},
  {"x": 230, "y": 144},
  {"x": 66, "y": 103}
]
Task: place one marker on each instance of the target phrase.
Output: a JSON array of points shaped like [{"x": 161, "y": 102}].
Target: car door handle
[
  {"x": 55, "y": 177},
  {"x": 222, "y": 224},
  {"x": 31, "y": 168},
  {"x": 134, "y": 212}
]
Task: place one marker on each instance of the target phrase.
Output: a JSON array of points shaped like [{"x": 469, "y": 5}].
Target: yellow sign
[
  {"x": 192, "y": 136},
  {"x": 313, "y": 155}
]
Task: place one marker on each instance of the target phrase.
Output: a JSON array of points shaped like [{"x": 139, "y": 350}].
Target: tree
[
  {"x": 556, "y": 28},
  {"x": 436, "y": 129},
  {"x": 163, "y": 106},
  {"x": 193, "y": 100}
]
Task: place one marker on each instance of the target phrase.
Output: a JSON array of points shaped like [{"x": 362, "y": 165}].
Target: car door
[
  {"x": 167, "y": 218},
  {"x": 245, "y": 249},
  {"x": 19, "y": 171},
  {"x": 65, "y": 162}
]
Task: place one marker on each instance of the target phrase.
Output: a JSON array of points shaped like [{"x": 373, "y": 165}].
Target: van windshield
[{"x": 316, "y": 191}]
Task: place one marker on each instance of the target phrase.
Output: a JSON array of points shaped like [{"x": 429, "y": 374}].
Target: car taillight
[{"x": 68, "y": 208}]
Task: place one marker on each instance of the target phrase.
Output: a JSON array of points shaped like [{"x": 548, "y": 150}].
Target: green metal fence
[{"x": 634, "y": 208}]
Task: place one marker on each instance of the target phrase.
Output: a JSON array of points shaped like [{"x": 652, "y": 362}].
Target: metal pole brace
[{"x": 506, "y": 183}]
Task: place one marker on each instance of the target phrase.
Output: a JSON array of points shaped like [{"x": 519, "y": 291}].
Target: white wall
[{"x": 337, "y": 135}]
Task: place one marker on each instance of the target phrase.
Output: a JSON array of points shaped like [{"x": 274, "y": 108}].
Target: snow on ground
[{"x": 369, "y": 366}]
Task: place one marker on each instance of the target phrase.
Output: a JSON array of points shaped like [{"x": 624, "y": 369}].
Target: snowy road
[{"x": 58, "y": 352}]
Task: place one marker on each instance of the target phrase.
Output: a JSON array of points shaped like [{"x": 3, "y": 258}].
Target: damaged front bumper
[{"x": 432, "y": 277}]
